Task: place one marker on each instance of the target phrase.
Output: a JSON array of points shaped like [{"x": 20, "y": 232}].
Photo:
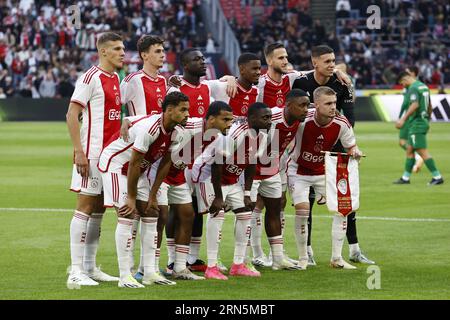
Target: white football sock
[
  {"x": 310, "y": 251},
  {"x": 157, "y": 256},
  {"x": 123, "y": 244},
  {"x": 78, "y": 226},
  {"x": 301, "y": 232},
  {"x": 256, "y": 233},
  {"x": 93, "y": 231},
  {"x": 134, "y": 231},
  {"x": 213, "y": 235},
  {"x": 241, "y": 235},
  {"x": 194, "y": 249},
  {"x": 338, "y": 231},
  {"x": 149, "y": 240},
  {"x": 283, "y": 222},
  {"x": 276, "y": 247},
  {"x": 170, "y": 242},
  {"x": 354, "y": 249},
  {"x": 181, "y": 252}
]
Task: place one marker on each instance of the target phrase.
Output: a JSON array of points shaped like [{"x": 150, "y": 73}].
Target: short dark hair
[
  {"x": 295, "y": 93},
  {"x": 247, "y": 57},
  {"x": 185, "y": 53},
  {"x": 173, "y": 99},
  {"x": 402, "y": 75},
  {"x": 216, "y": 108},
  {"x": 108, "y": 36},
  {"x": 318, "y": 51},
  {"x": 323, "y": 90},
  {"x": 146, "y": 41},
  {"x": 255, "y": 108},
  {"x": 272, "y": 47},
  {"x": 414, "y": 69}
]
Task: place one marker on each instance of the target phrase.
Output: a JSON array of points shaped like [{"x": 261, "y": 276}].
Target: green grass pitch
[{"x": 405, "y": 229}]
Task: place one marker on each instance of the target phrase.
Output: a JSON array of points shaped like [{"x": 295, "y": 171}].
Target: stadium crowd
[
  {"x": 412, "y": 32},
  {"x": 42, "y": 53}
]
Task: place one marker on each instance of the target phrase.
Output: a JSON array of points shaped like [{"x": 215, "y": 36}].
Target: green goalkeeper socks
[{"x": 432, "y": 167}]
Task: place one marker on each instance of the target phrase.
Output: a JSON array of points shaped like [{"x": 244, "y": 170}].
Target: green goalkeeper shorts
[
  {"x": 403, "y": 134},
  {"x": 418, "y": 140}
]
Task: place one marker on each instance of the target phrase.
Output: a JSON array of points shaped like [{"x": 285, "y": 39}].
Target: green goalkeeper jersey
[{"x": 418, "y": 121}]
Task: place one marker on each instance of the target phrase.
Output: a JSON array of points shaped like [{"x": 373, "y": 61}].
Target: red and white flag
[{"x": 342, "y": 183}]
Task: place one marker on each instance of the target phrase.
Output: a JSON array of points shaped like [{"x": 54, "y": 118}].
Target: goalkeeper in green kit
[{"x": 416, "y": 117}]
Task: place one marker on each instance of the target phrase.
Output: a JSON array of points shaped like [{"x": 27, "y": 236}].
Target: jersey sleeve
[
  {"x": 347, "y": 137},
  {"x": 173, "y": 89},
  {"x": 413, "y": 95},
  {"x": 294, "y": 75},
  {"x": 261, "y": 85},
  {"x": 128, "y": 90},
  {"x": 144, "y": 140},
  {"x": 83, "y": 92},
  {"x": 346, "y": 102},
  {"x": 217, "y": 90}
]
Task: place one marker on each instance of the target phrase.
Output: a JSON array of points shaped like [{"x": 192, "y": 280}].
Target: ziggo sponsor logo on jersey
[
  {"x": 307, "y": 156},
  {"x": 114, "y": 114}
]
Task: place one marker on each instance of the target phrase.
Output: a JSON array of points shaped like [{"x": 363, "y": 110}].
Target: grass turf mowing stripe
[{"x": 286, "y": 215}]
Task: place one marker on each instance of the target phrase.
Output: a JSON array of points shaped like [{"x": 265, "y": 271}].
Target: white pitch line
[{"x": 288, "y": 215}]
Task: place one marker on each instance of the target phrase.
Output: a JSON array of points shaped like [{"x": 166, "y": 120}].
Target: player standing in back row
[
  {"x": 97, "y": 98},
  {"x": 324, "y": 61}
]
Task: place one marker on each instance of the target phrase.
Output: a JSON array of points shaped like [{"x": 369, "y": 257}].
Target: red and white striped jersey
[
  {"x": 192, "y": 145},
  {"x": 200, "y": 96},
  {"x": 241, "y": 101},
  {"x": 311, "y": 138},
  {"x": 142, "y": 93},
  {"x": 280, "y": 136},
  {"x": 146, "y": 135},
  {"x": 236, "y": 151},
  {"x": 274, "y": 93},
  {"x": 98, "y": 92}
]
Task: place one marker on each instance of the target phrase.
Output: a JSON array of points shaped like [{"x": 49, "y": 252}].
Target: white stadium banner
[
  {"x": 390, "y": 105},
  {"x": 342, "y": 183}
]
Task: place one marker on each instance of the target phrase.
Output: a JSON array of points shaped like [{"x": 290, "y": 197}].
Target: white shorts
[
  {"x": 92, "y": 185},
  {"x": 299, "y": 187},
  {"x": 268, "y": 188},
  {"x": 115, "y": 188},
  {"x": 168, "y": 194},
  {"x": 232, "y": 194}
]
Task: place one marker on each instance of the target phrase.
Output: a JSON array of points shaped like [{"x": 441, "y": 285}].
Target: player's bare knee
[{"x": 302, "y": 206}]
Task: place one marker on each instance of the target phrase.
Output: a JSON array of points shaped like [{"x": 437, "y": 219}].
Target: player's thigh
[
  {"x": 205, "y": 195},
  {"x": 180, "y": 194},
  {"x": 90, "y": 186},
  {"x": 299, "y": 188},
  {"x": 418, "y": 140}
]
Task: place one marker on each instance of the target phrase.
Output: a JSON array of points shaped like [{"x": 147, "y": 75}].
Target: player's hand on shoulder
[
  {"x": 343, "y": 78},
  {"x": 174, "y": 81},
  {"x": 231, "y": 85},
  {"x": 81, "y": 163}
]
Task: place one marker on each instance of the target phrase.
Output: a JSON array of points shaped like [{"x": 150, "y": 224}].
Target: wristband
[{"x": 247, "y": 193}]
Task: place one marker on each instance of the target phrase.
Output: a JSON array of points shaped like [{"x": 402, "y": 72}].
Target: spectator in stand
[{"x": 47, "y": 88}]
